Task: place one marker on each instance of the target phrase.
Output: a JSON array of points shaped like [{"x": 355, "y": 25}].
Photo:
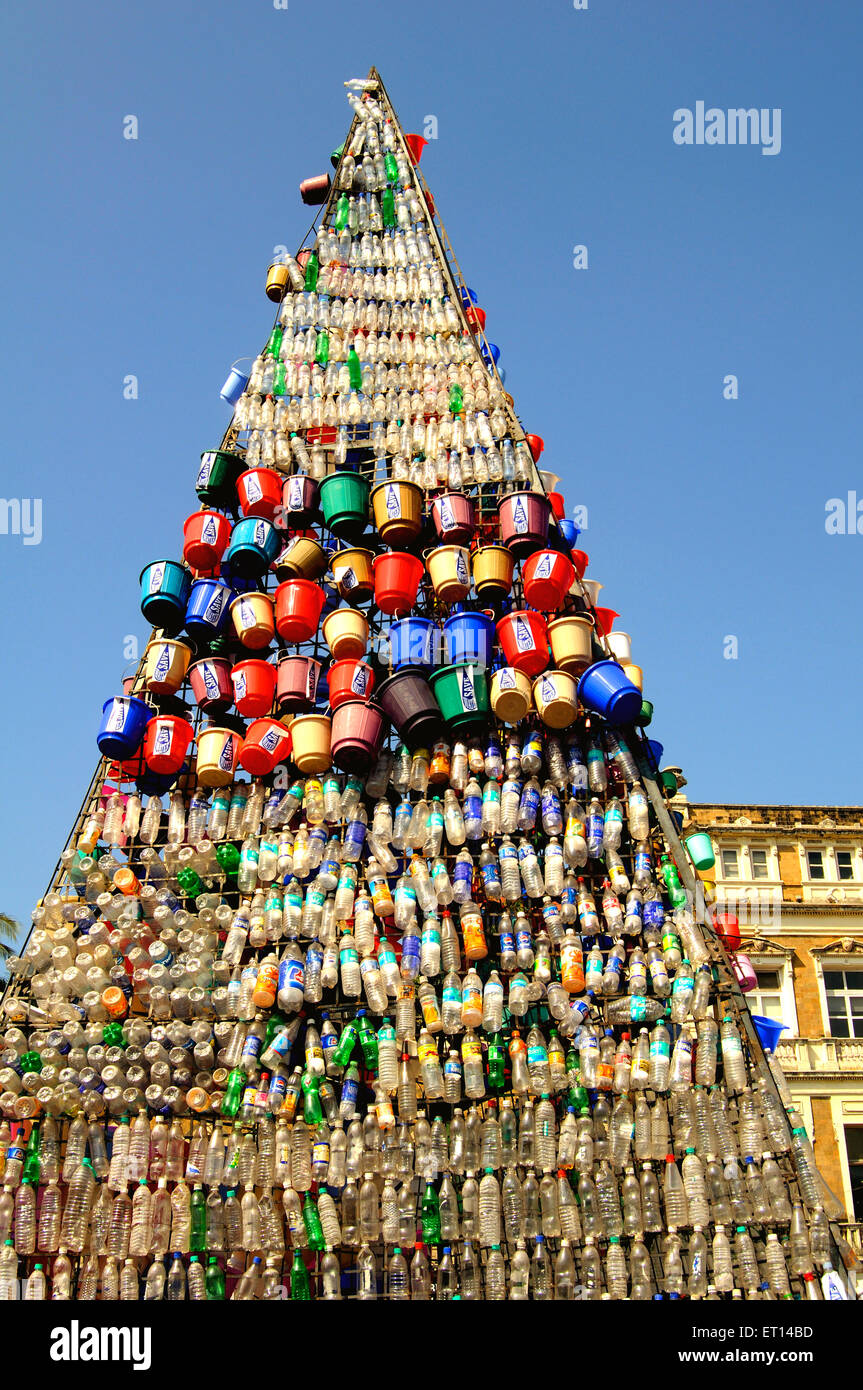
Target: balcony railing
[
  {"x": 853, "y": 1233},
  {"x": 820, "y": 1055}
]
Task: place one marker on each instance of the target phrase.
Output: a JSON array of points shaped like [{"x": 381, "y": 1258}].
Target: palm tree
[{"x": 9, "y": 930}]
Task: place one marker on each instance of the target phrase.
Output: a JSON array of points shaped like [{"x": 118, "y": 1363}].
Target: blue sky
[{"x": 706, "y": 516}]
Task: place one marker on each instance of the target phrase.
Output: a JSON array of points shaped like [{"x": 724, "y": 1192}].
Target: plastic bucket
[
  {"x": 310, "y": 742},
  {"x": 345, "y": 504},
  {"x": 302, "y": 558},
  {"x": 467, "y": 295},
  {"x": 558, "y": 505},
  {"x": 462, "y": 694},
  {"x": 255, "y": 543},
  {"x": 744, "y": 972},
  {"x": 571, "y": 641},
  {"x": 468, "y": 637},
  {"x": 205, "y": 538},
  {"x": 278, "y": 279},
  {"x": 357, "y": 734},
  {"x": 547, "y": 577},
  {"x": 449, "y": 571},
  {"x": 581, "y": 560},
  {"x": 297, "y": 684},
  {"x": 218, "y": 750},
  {"x": 493, "y": 567},
  {"x": 620, "y": 645},
  {"x": 298, "y": 609},
  {"x": 568, "y": 530},
  {"x": 124, "y": 719},
  {"x": 397, "y": 580},
  {"x": 523, "y": 637},
  {"x": 397, "y": 508},
  {"x": 410, "y": 706},
  {"x": 536, "y": 444},
  {"x": 216, "y": 483},
  {"x": 510, "y": 694},
  {"x": 349, "y": 680},
  {"x": 605, "y": 689},
  {"x": 267, "y": 743},
  {"x": 299, "y": 500},
  {"x": 646, "y": 714},
  {"x": 727, "y": 926},
  {"x": 235, "y": 384},
  {"x": 252, "y": 620},
  {"x": 207, "y": 609},
  {"x": 476, "y": 317},
  {"x": 260, "y": 492},
  {"x": 165, "y": 665},
  {"x": 416, "y": 144},
  {"x": 412, "y": 643},
  {"x": 769, "y": 1032},
  {"x": 490, "y": 352},
  {"x": 633, "y": 673},
  {"x": 166, "y": 742},
  {"x": 524, "y": 518},
  {"x": 554, "y": 694},
  {"x": 210, "y": 680},
  {"x": 700, "y": 847},
  {"x": 165, "y": 586},
  {"x": 353, "y": 574},
  {"x": 346, "y": 633},
  {"x": 592, "y": 588},
  {"x": 453, "y": 518},
  {"x": 605, "y": 620},
  {"x": 254, "y": 685}
]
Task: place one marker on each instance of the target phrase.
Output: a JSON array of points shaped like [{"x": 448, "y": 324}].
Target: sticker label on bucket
[
  {"x": 468, "y": 693},
  {"x": 393, "y": 502},
  {"x": 519, "y": 516},
  {"x": 543, "y": 568},
  {"x": 445, "y": 515},
  {"x": 523, "y": 636},
  {"x": 347, "y": 579},
  {"x": 295, "y": 494},
  {"x": 239, "y": 679},
  {"x": 206, "y": 468},
  {"x": 163, "y": 664},
  {"x": 162, "y": 741},
  {"x": 157, "y": 574},
  {"x": 253, "y": 490},
  {"x": 360, "y": 681},
  {"x": 547, "y": 689},
  {"x": 311, "y": 679},
  {"x": 260, "y": 533},
  {"x": 247, "y": 614},
  {"x": 270, "y": 740},
  {"x": 461, "y": 568},
  {"x": 506, "y": 679},
  {"x": 211, "y": 683},
  {"x": 213, "y": 610},
  {"x": 209, "y": 531},
  {"x": 117, "y": 717},
  {"x": 226, "y": 758}
]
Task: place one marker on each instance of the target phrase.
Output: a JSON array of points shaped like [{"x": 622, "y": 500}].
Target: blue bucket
[
  {"x": 606, "y": 690},
  {"x": 165, "y": 586},
  {"x": 569, "y": 531},
  {"x": 253, "y": 547},
  {"x": 207, "y": 609},
  {"x": 412, "y": 643},
  {"x": 234, "y": 386},
  {"x": 468, "y": 637},
  {"x": 124, "y": 719},
  {"x": 467, "y": 296},
  {"x": 491, "y": 350},
  {"x": 768, "y": 1031}
]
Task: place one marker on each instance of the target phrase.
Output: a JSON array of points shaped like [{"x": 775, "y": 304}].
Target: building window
[
  {"x": 844, "y": 990},
  {"x": 729, "y": 863},
  {"x": 815, "y": 860},
  {"x": 766, "y": 1000},
  {"x": 854, "y": 1150},
  {"x": 759, "y": 863},
  {"x": 844, "y": 867}
]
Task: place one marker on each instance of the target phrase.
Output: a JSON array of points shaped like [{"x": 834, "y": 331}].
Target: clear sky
[{"x": 555, "y": 129}]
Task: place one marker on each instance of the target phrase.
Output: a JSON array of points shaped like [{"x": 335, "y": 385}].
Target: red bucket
[
  {"x": 452, "y": 514},
  {"x": 296, "y": 684},
  {"x": 547, "y": 577},
  {"x": 536, "y": 444},
  {"x": 728, "y": 929},
  {"x": 320, "y": 435},
  {"x": 580, "y": 559},
  {"x": 416, "y": 144},
  {"x": 210, "y": 680},
  {"x": 267, "y": 743},
  {"x": 260, "y": 492},
  {"x": 299, "y": 603},
  {"x": 166, "y": 742},
  {"x": 558, "y": 505},
  {"x": 605, "y": 620},
  {"x": 524, "y": 638},
  {"x": 254, "y": 685},
  {"x": 397, "y": 581},
  {"x": 357, "y": 732},
  {"x": 349, "y": 680},
  {"x": 205, "y": 539},
  {"x": 475, "y": 316}
]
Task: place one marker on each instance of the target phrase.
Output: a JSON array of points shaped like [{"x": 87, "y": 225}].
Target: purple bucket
[
  {"x": 357, "y": 734},
  {"x": 524, "y": 521},
  {"x": 211, "y": 683}
]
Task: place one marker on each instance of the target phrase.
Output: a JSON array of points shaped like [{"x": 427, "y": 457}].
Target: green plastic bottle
[
  {"x": 456, "y": 399},
  {"x": 368, "y": 1041},
  {"x": 355, "y": 371},
  {"x": 342, "y": 212},
  {"x": 279, "y": 380},
  {"x": 214, "y": 1280},
  {"x": 312, "y": 1110},
  {"x": 430, "y": 1216},
  {"x": 388, "y": 208},
  {"x": 228, "y": 858},
  {"x": 274, "y": 342},
  {"x": 322, "y": 348},
  {"x": 312, "y": 1220},
  {"x": 198, "y": 1208},
  {"x": 32, "y": 1163},
  {"x": 299, "y": 1280},
  {"x": 312, "y": 268},
  {"x": 496, "y": 1058},
  {"x": 191, "y": 882},
  {"x": 345, "y": 1047},
  {"x": 234, "y": 1092},
  {"x": 391, "y": 167}
]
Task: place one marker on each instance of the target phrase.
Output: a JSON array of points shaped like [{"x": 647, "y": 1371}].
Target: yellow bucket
[
  {"x": 510, "y": 694},
  {"x": 278, "y": 278},
  {"x": 353, "y": 574},
  {"x": 310, "y": 735},
  {"x": 252, "y": 616},
  {"x": 398, "y": 512},
  {"x": 217, "y": 756},
  {"x": 302, "y": 558},
  {"x": 492, "y": 570},
  {"x": 635, "y": 674},
  {"x": 346, "y": 633},
  {"x": 554, "y": 694},
  {"x": 449, "y": 570},
  {"x": 571, "y": 643},
  {"x": 166, "y": 664}
]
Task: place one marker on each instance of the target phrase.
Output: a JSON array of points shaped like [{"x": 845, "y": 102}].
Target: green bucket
[
  {"x": 700, "y": 850},
  {"x": 462, "y": 693},
  {"x": 216, "y": 483},
  {"x": 345, "y": 503},
  {"x": 646, "y": 714}
]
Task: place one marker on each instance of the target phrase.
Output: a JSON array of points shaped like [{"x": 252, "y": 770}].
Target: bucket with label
[
  {"x": 167, "y": 740},
  {"x": 210, "y": 679},
  {"x": 299, "y": 501},
  {"x": 449, "y": 571},
  {"x": 296, "y": 684},
  {"x": 524, "y": 520},
  {"x": 267, "y": 743},
  {"x": 207, "y": 609},
  {"x": 397, "y": 508},
  {"x": 349, "y": 680},
  {"x": 353, "y": 574},
  {"x": 547, "y": 577},
  {"x": 453, "y": 518},
  {"x": 124, "y": 720},
  {"x": 165, "y": 588},
  {"x": 260, "y": 493},
  {"x": 252, "y": 620},
  {"x": 218, "y": 751},
  {"x": 298, "y": 609},
  {"x": 412, "y": 642},
  {"x": 254, "y": 686},
  {"x": 523, "y": 636},
  {"x": 510, "y": 694},
  {"x": 462, "y": 694},
  {"x": 205, "y": 539},
  {"x": 555, "y": 697},
  {"x": 253, "y": 548},
  {"x": 216, "y": 483},
  {"x": 166, "y": 662}
]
